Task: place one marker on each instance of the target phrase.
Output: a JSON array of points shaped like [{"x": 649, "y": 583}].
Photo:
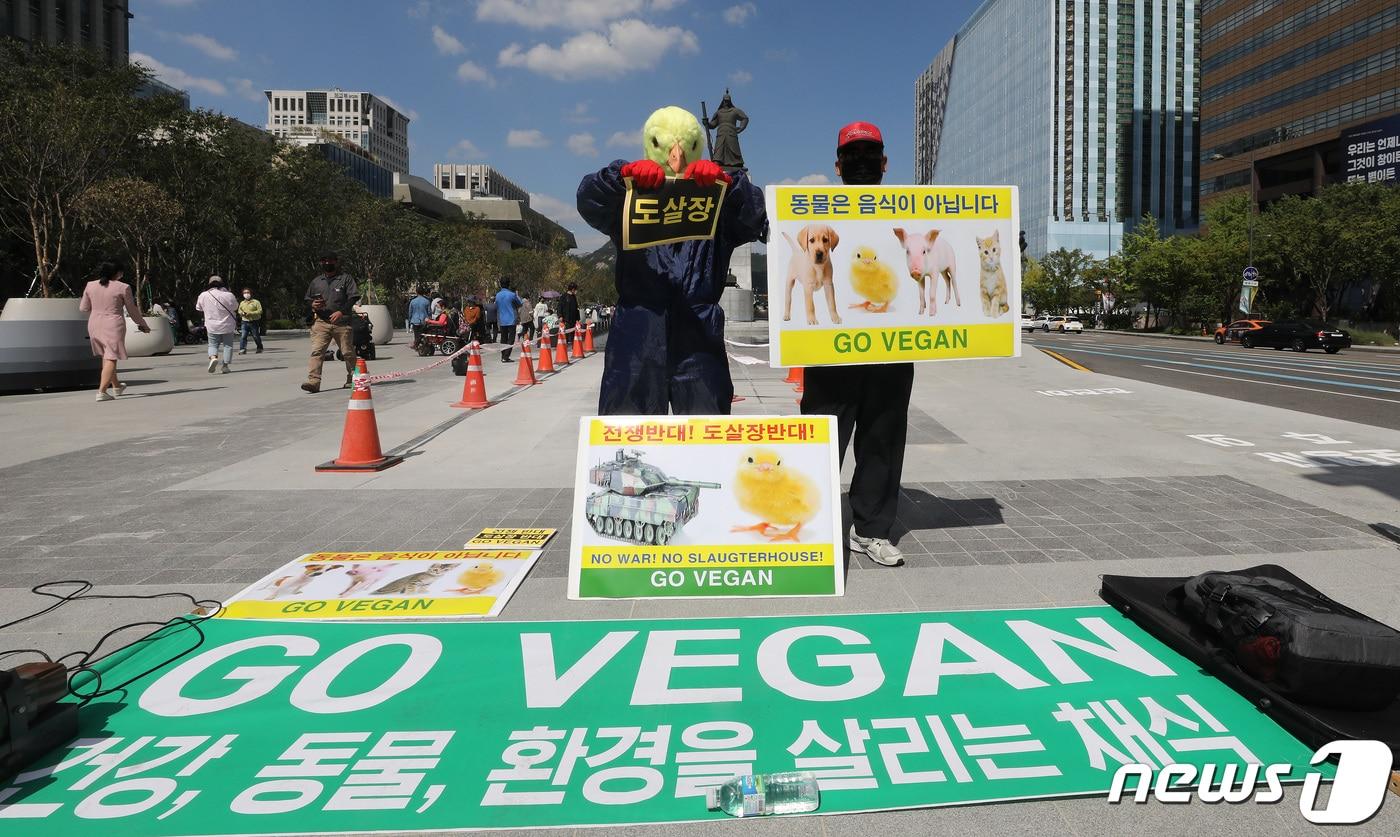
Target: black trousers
[{"x": 871, "y": 403}]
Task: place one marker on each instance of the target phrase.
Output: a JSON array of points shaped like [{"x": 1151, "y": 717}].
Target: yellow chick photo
[
  {"x": 782, "y": 498},
  {"x": 873, "y": 280},
  {"x": 477, "y": 579}
]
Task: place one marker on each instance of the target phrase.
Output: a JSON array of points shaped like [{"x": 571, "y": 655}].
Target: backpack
[{"x": 1303, "y": 644}]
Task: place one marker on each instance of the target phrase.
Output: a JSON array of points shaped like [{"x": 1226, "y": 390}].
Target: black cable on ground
[{"x": 86, "y": 660}]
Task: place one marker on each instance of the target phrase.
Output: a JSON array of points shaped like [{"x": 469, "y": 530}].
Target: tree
[
  {"x": 135, "y": 213},
  {"x": 1063, "y": 287},
  {"x": 69, "y": 122}
]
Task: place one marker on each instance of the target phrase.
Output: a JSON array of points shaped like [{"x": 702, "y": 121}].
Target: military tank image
[{"x": 639, "y": 503}]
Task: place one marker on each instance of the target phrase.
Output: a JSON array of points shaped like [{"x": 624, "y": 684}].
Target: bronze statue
[{"x": 727, "y": 123}]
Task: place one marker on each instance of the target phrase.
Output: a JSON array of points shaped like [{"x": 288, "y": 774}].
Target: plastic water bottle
[{"x": 765, "y": 793}]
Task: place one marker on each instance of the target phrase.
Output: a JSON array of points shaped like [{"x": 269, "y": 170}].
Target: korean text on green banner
[
  {"x": 879, "y": 274},
  {"x": 706, "y": 506},
  {"x": 334, "y": 727},
  {"x": 681, "y": 210}
]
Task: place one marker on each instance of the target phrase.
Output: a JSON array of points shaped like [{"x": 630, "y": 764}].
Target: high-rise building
[
  {"x": 1088, "y": 106},
  {"x": 305, "y": 116},
  {"x": 1283, "y": 81},
  {"x": 468, "y": 181},
  {"x": 99, "y": 25}
]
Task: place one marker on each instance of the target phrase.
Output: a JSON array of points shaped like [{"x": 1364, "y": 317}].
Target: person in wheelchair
[{"x": 436, "y": 334}]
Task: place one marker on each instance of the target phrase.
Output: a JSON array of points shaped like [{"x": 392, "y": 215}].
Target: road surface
[{"x": 1358, "y": 386}]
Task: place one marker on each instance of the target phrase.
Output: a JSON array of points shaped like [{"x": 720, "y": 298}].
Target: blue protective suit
[{"x": 666, "y": 345}]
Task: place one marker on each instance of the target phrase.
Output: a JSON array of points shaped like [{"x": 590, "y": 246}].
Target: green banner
[{"x": 312, "y": 727}]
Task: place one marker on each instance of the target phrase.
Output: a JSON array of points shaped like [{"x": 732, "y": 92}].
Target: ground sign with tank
[{"x": 705, "y": 506}]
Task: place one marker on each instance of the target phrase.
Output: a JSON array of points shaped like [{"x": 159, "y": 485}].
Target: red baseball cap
[{"x": 859, "y": 132}]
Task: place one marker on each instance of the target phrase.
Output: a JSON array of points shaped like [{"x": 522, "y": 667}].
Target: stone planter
[
  {"x": 159, "y": 342},
  {"x": 382, "y": 322},
  {"x": 44, "y": 345}
]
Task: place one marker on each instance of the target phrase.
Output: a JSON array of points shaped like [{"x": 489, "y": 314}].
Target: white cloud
[
  {"x": 737, "y": 15},
  {"x": 579, "y": 115},
  {"x": 469, "y": 71},
  {"x": 625, "y": 139},
  {"x": 409, "y": 112},
  {"x": 553, "y": 208},
  {"x": 208, "y": 46},
  {"x": 582, "y": 145},
  {"x": 805, "y": 180},
  {"x": 465, "y": 149},
  {"x": 244, "y": 87},
  {"x": 525, "y": 138},
  {"x": 629, "y": 45},
  {"x": 446, "y": 44},
  {"x": 179, "y": 78},
  {"x": 739, "y": 78},
  {"x": 566, "y": 14}
]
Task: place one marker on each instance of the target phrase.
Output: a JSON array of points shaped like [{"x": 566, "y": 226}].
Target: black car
[{"x": 1298, "y": 335}]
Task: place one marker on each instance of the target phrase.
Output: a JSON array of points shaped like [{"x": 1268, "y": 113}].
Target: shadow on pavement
[
  {"x": 180, "y": 391},
  {"x": 920, "y": 510},
  {"x": 1382, "y": 478}
]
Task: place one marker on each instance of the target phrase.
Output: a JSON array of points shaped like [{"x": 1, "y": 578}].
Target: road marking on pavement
[
  {"x": 1246, "y": 371},
  {"x": 1329, "y": 362},
  {"x": 1271, "y": 384},
  {"x": 1292, "y": 363},
  {"x": 747, "y": 360},
  {"x": 1104, "y": 391},
  {"x": 1066, "y": 361}
]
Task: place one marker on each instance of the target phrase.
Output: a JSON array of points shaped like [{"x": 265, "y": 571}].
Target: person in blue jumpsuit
[{"x": 666, "y": 345}]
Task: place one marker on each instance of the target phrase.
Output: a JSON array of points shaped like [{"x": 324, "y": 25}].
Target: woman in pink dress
[{"x": 105, "y": 299}]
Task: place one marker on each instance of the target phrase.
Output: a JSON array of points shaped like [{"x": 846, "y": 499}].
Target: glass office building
[{"x": 1089, "y": 106}]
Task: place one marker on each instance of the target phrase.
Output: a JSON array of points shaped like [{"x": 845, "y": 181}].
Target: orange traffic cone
[
  {"x": 794, "y": 375},
  {"x": 474, "y": 389},
  {"x": 588, "y": 339},
  {"x": 525, "y": 373},
  {"x": 578, "y": 341},
  {"x": 801, "y": 377},
  {"x": 561, "y": 348},
  {"x": 546, "y": 362},
  {"x": 359, "y": 444}
]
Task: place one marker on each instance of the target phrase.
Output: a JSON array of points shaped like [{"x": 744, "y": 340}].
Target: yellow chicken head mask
[{"x": 672, "y": 138}]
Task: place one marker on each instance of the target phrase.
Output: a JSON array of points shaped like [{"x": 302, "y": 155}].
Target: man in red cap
[{"x": 870, "y": 401}]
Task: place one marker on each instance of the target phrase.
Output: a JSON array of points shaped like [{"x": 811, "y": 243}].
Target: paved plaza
[{"x": 1012, "y": 498}]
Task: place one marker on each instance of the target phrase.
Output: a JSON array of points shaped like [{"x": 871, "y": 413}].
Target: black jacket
[{"x": 568, "y": 309}]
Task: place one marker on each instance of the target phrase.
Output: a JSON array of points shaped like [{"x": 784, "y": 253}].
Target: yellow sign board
[
  {"x": 504, "y": 538},
  {"x": 386, "y": 585},
  {"x": 883, "y": 274}
]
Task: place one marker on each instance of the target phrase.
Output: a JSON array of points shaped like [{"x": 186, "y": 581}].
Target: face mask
[
  {"x": 247, "y": 296},
  {"x": 328, "y": 267},
  {"x": 861, "y": 169}
]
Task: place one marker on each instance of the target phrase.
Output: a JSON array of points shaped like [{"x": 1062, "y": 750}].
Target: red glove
[
  {"x": 706, "y": 172},
  {"x": 646, "y": 174}
]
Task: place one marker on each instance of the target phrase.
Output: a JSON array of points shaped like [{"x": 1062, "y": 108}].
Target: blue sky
[{"x": 547, "y": 90}]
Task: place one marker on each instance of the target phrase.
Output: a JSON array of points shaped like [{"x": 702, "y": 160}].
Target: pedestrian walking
[
  {"x": 176, "y": 319},
  {"x": 526, "y": 318},
  {"x": 106, "y": 300},
  {"x": 870, "y": 402},
  {"x": 491, "y": 318},
  {"x": 541, "y": 311},
  {"x": 507, "y": 304},
  {"x": 473, "y": 321},
  {"x": 419, "y": 309},
  {"x": 568, "y": 307},
  {"x": 250, "y": 321},
  {"x": 332, "y": 295},
  {"x": 220, "y": 311}
]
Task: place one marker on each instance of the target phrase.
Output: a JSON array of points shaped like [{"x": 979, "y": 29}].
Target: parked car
[
  {"x": 1031, "y": 323},
  {"x": 1298, "y": 335},
  {"x": 1231, "y": 333}
]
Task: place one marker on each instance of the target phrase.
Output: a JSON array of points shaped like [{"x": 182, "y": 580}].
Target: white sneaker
[
  {"x": 104, "y": 395},
  {"x": 879, "y": 550},
  {"x": 223, "y": 369},
  {"x": 213, "y": 364},
  {"x": 119, "y": 389}
]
